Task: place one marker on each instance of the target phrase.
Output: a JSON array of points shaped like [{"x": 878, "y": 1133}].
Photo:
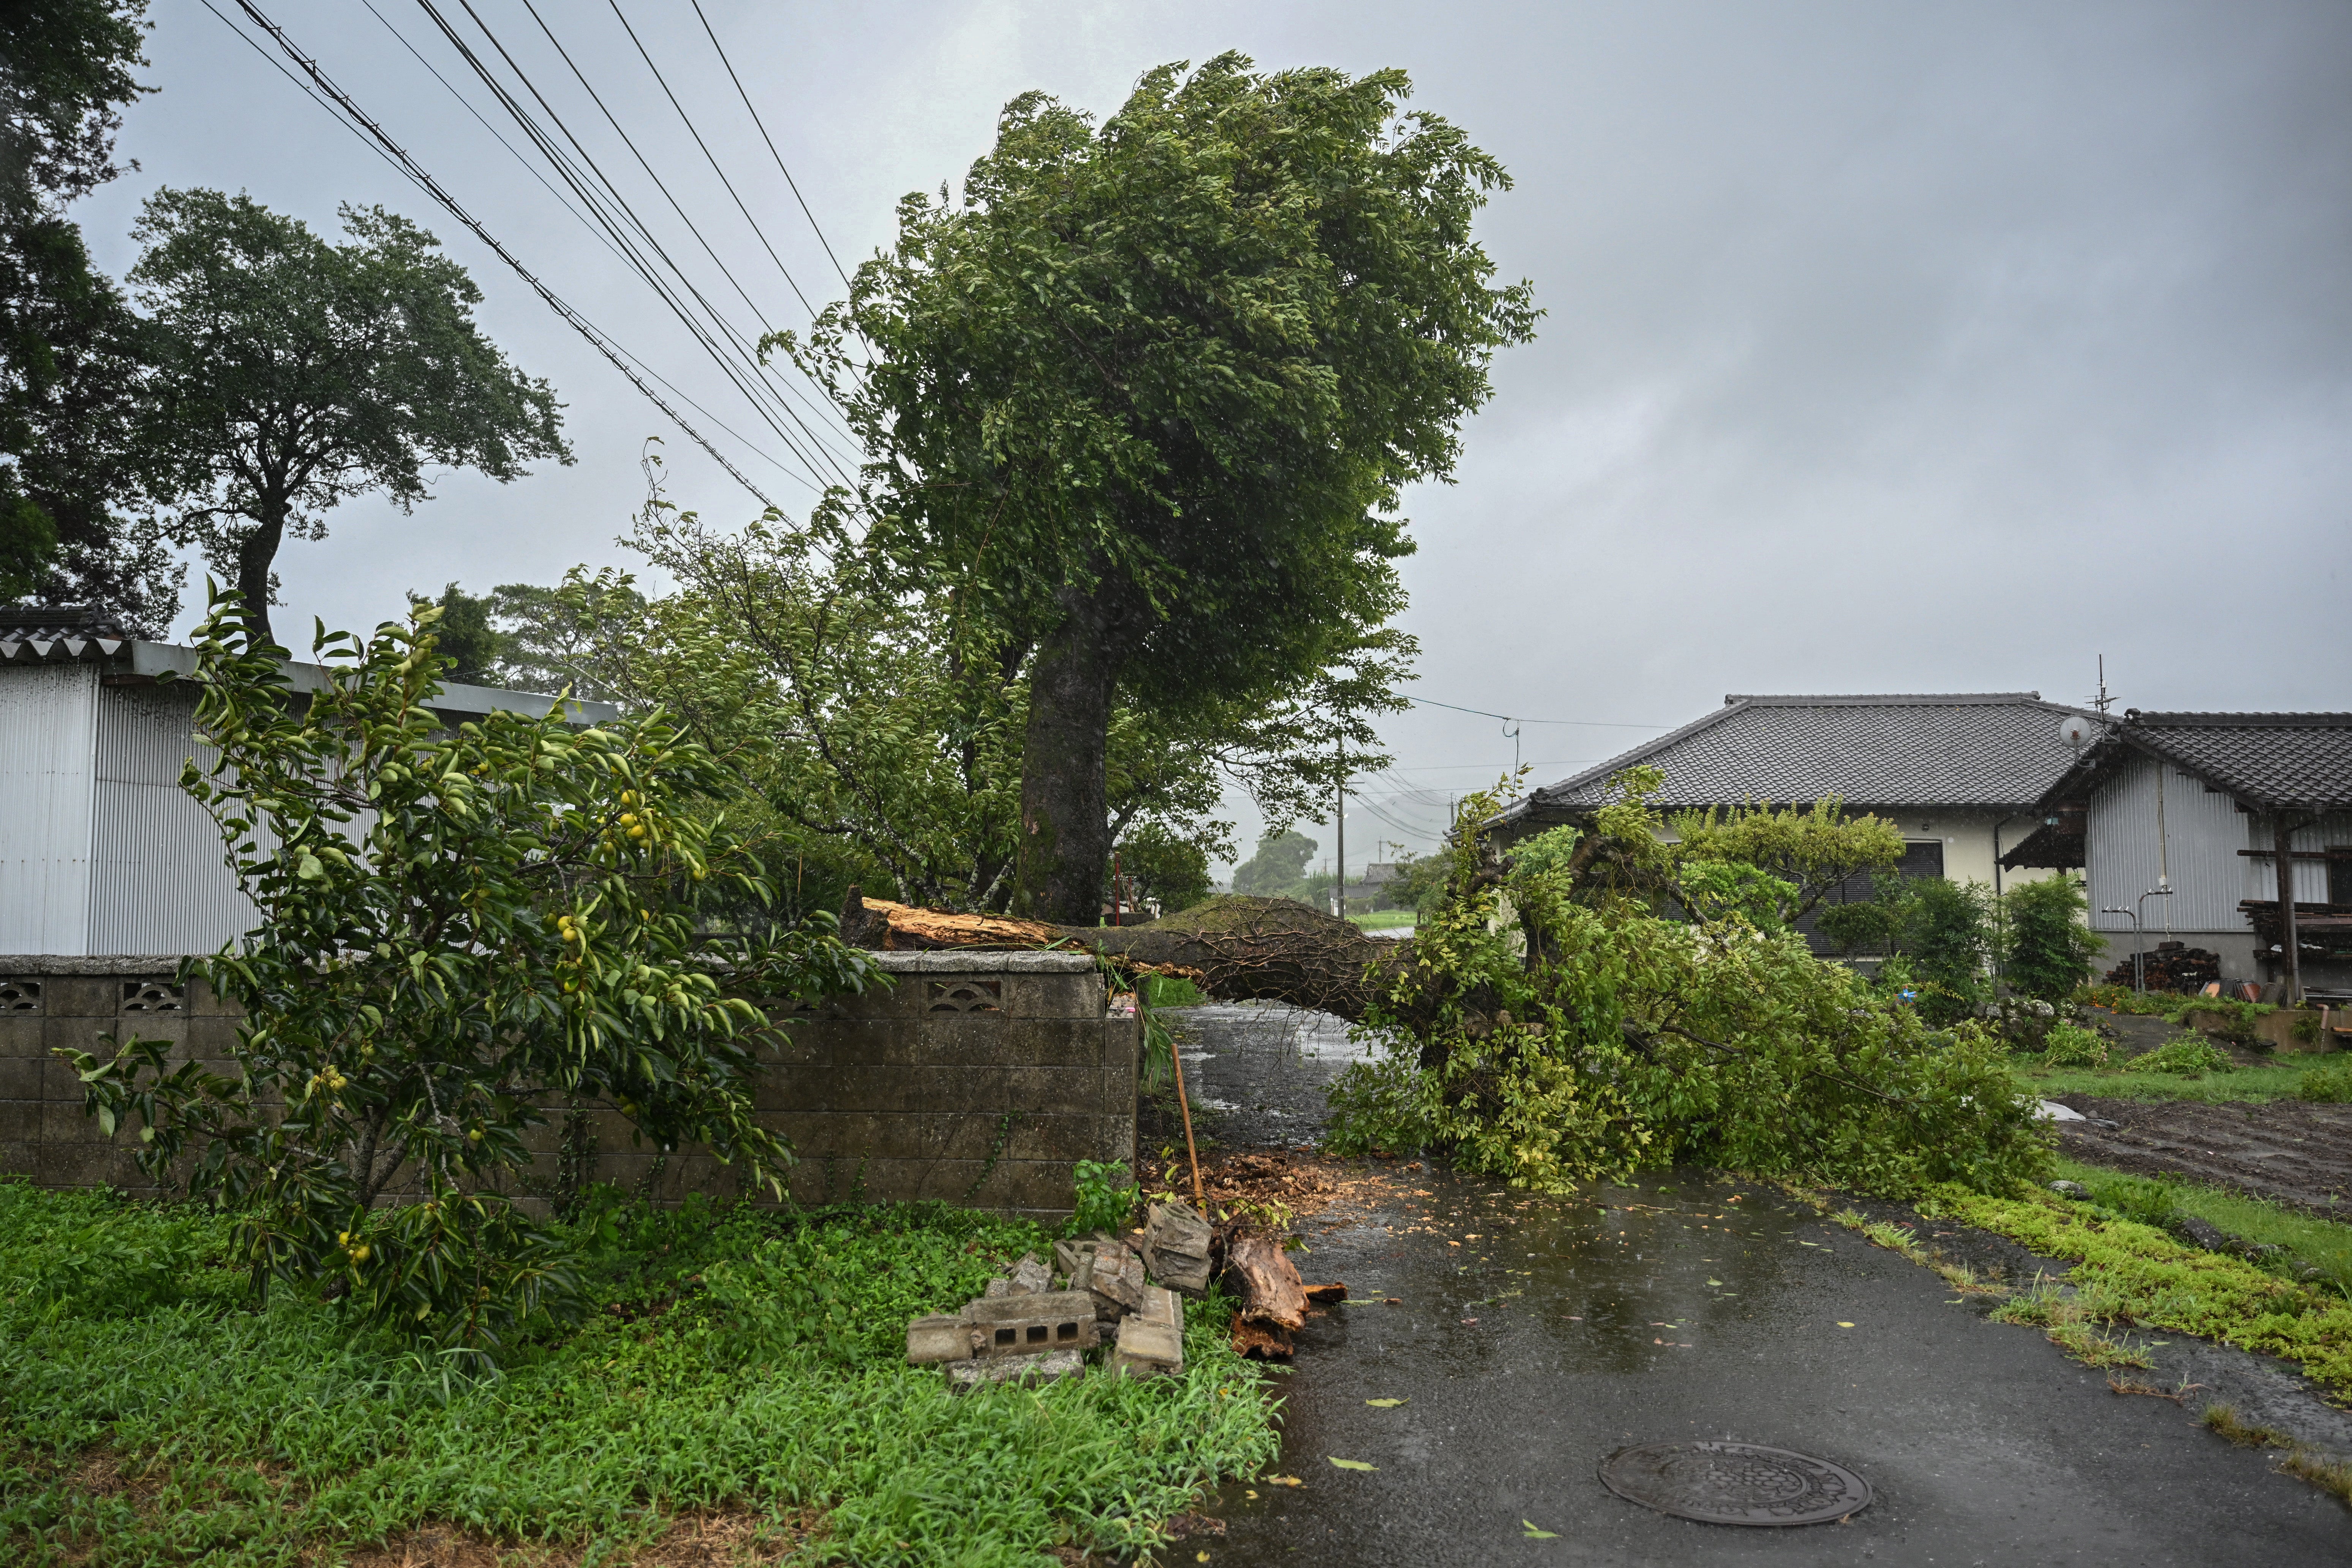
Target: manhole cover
[{"x": 1734, "y": 1483}]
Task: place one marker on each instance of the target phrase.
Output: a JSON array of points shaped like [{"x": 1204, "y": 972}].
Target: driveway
[{"x": 1528, "y": 1338}]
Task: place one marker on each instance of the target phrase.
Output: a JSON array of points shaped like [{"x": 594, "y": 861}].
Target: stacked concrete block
[
  {"x": 981, "y": 1079},
  {"x": 1042, "y": 1335}
]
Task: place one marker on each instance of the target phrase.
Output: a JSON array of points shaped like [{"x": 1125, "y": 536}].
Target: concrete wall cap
[
  {"x": 964, "y": 961},
  {"x": 128, "y": 963}
]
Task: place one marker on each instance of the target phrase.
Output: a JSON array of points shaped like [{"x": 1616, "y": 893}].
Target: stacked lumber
[{"x": 2172, "y": 966}]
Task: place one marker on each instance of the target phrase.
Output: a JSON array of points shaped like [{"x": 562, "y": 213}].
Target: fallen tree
[{"x": 1234, "y": 948}]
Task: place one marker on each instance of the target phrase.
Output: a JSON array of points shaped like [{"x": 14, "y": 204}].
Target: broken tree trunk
[
  {"x": 1236, "y": 949},
  {"x": 1262, "y": 1273}
]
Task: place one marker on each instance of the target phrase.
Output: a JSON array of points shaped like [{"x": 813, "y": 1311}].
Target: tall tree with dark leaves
[
  {"x": 71, "y": 352},
  {"x": 1144, "y": 399},
  {"x": 292, "y": 373}
]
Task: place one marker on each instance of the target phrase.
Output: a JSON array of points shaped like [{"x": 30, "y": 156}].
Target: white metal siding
[
  {"x": 160, "y": 882},
  {"x": 2202, "y": 833},
  {"x": 47, "y": 734},
  {"x": 2310, "y": 876}
]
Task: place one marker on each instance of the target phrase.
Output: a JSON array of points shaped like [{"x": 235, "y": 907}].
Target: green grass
[
  {"x": 1173, "y": 991},
  {"x": 733, "y": 1360},
  {"x": 2127, "y": 1273},
  {"x": 2325, "y": 1244},
  {"x": 1384, "y": 919},
  {"x": 2254, "y": 1085}
]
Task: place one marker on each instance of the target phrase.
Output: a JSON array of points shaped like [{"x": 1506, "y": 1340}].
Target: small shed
[{"x": 102, "y": 852}]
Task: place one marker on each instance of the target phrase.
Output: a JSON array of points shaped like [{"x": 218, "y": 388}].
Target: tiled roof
[
  {"x": 1982, "y": 750},
  {"x": 2262, "y": 759}
]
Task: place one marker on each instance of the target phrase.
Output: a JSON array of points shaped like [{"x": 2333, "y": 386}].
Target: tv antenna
[{"x": 2102, "y": 701}]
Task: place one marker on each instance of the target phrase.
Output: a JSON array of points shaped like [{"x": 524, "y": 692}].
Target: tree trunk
[
  {"x": 1065, "y": 796},
  {"x": 255, "y": 553},
  {"x": 1267, "y": 1281},
  {"x": 1239, "y": 949}
]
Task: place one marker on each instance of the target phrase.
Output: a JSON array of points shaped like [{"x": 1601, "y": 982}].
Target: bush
[
  {"x": 2050, "y": 949},
  {"x": 2141, "y": 1198},
  {"x": 2329, "y": 1085},
  {"x": 2188, "y": 1056},
  {"x": 1106, "y": 1196},
  {"x": 1948, "y": 938},
  {"x": 1377, "y": 1107},
  {"x": 464, "y": 935},
  {"x": 2073, "y": 1045}
]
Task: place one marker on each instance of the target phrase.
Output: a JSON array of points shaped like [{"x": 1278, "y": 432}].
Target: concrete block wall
[{"x": 977, "y": 1077}]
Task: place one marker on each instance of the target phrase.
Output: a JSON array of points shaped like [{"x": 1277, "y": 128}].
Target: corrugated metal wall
[
  {"x": 2334, "y": 830},
  {"x": 159, "y": 882},
  {"x": 2203, "y": 832},
  {"x": 48, "y": 719}
]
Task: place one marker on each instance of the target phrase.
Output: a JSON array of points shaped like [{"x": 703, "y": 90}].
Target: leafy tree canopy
[
  {"x": 292, "y": 373},
  {"x": 1144, "y": 402},
  {"x": 1279, "y": 865},
  {"x": 72, "y": 362}
]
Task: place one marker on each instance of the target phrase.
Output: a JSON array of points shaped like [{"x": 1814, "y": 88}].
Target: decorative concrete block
[{"x": 1176, "y": 1248}]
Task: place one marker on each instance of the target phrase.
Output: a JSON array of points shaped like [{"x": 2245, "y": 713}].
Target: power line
[
  {"x": 415, "y": 172},
  {"x": 605, "y": 200},
  {"x": 1515, "y": 718},
  {"x": 770, "y": 140}
]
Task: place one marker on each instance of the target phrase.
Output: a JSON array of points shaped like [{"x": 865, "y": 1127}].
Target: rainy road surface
[{"x": 1529, "y": 1338}]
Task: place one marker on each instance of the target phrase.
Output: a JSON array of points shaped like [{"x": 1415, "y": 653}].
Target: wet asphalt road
[{"x": 1532, "y": 1337}]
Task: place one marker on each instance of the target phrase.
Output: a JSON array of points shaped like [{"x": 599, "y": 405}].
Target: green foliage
[
  {"x": 1948, "y": 937},
  {"x": 1106, "y": 1196},
  {"x": 2330, "y": 1085},
  {"x": 1150, "y": 392},
  {"x": 732, "y": 1359},
  {"x": 2070, "y": 1045},
  {"x": 472, "y": 648},
  {"x": 1810, "y": 852},
  {"x": 462, "y": 933},
  {"x": 1419, "y": 884},
  {"x": 73, "y": 357},
  {"x": 290, "y": 374},
  {"x": 2142, "y": 1199},
  {"x": 2304, "y": 1245},
  {"x": 1379, "y": 1107},
  {"x": 1875, "y": 924},
  {"x": 2133, "y": 1273},
  {"x": 1588, "y": 1036},
  {"x": 2050, "y": 949},
  {"x": 2185, "y": 1054},
  {"x": 1164, "y": 866},
  {"x": 1278, "y": 867}
]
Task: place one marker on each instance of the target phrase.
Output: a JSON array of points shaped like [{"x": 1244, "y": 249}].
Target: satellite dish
[{"x": 2076, "y": 730}]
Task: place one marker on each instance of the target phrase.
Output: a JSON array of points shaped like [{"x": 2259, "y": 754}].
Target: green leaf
[
  {"x": 1351, "y": 1465},
  {"x": 106, "y": 1119},
  {"x": 1535, "y": 1534},
  {"x": 309, "y": 869},
  {"x": 1384, "y": 1403}
]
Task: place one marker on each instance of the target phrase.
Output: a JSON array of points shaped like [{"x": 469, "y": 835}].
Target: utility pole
[
  {"x": 2282, "y": 845},
  {"x": 1339, "y": 884}
]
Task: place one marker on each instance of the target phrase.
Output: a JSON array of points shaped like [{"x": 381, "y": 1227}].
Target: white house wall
[
  {"x": 159, "y": 881},
  {"x": 50, "y": 718},
  {"x": 2125, "y": 855}
]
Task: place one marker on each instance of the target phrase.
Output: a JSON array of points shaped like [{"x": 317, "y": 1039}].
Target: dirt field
[{"x": 2287, "y": 1151}]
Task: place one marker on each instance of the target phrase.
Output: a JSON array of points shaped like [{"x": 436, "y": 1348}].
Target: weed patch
[
  {"x": 736, "y": 1362},
  {"x": 2127, "y": 1272}
]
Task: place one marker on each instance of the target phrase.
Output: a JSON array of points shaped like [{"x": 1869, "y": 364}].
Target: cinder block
[
  {"x": 210, "y": 1036},
  {"x": 21, "y": 1036},
  {"x": 20, "y": 1160},
  {"x": 1145, "y": 1348},
  {"x": 204, "y": 1002},
  {"x": 66, "y": 1122},
  {"x": 81, "y": 996},
  {"x": 1055, "y": 995},
  {"x": 76, "y": 1031},
  {"x": 1027, "y": 1324},
  {"x": 1176, "y": 1248},
  {"x": 1059, "y": 1092},
  {"x": 20, "y": 1120},
  {"x": 20, "y": 1078},
  {"x": 964, "y": 1039},
  {"x": 938, "y": 1338},
  {"x": 1164, "y": 1308},
  {"x": 1050, "y": 1367}
]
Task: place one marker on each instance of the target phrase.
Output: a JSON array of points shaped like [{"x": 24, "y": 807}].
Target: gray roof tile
[
  {"x": 1985, "y": 749},
  {"x": 2262, "y": 759}
]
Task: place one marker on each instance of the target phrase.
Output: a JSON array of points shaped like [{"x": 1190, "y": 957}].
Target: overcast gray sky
[{"x": 1890, "y": 347}]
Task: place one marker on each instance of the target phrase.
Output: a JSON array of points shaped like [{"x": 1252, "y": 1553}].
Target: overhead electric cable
[
  {"x": 770, "y": 140},
  {"x": 416, "y": 173},
  {"x": 603, "y": 198},
  {"x": 676, "y": 207},
  {"x": 1515, "y": 718}
]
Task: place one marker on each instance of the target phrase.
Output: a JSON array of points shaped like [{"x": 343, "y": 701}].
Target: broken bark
[
  {"x": 1267, "y": 1282},
  {"x": 1335, "y": 1291},
  {"x": 1258, "y": 1342},
  {"x": 1235, "y": 948}
]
